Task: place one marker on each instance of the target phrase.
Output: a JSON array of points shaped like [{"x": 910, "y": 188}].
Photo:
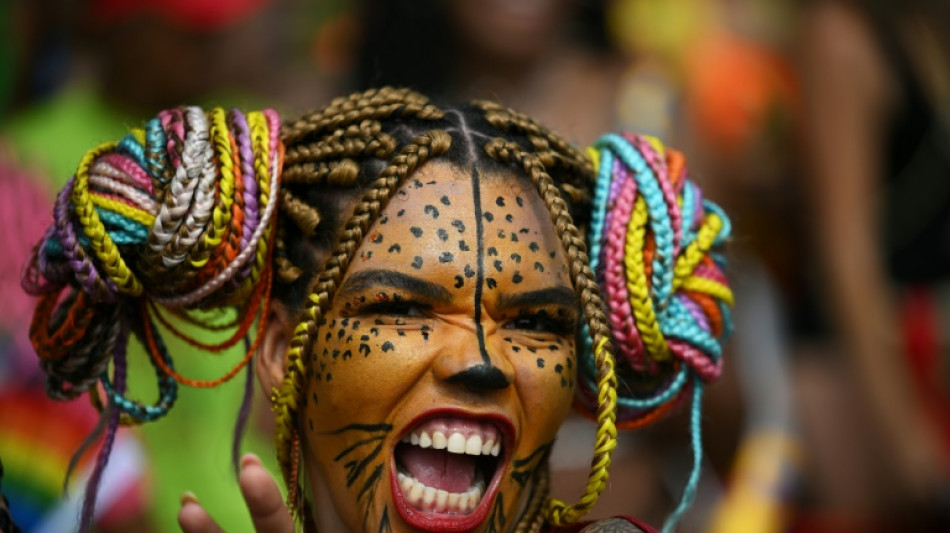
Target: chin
[{"x": 446, "y": 469}]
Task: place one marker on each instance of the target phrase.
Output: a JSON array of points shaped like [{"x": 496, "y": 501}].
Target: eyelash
[
  {"x": 396, "y": 308},
  {"x": 542, "y": 322}
]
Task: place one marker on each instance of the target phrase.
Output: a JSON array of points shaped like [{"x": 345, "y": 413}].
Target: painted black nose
[{"x": 481, "y": 377}]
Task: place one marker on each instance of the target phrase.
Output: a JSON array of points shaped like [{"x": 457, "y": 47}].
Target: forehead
[{"x": 461, "y": 225}]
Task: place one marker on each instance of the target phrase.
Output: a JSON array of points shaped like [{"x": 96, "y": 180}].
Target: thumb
[{"x": 192, "y": 517}]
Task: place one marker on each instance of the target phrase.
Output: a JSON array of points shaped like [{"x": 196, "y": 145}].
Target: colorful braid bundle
[
  {"x": 174, "y": 219},
  {"x": 656, "y": 248}
]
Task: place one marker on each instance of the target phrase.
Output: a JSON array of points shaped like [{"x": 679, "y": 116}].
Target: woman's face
[{"x": 445, "y": 362}]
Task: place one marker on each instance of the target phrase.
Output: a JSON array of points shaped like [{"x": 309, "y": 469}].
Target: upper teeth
[{"x": 454, "y": 442}]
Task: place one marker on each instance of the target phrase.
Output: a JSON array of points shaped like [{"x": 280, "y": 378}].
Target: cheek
[
  {"x": 359, "y": 372},
  {"x": 546, "y": 380}
]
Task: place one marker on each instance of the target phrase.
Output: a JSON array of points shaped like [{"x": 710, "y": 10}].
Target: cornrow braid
[
  {"x": 551, "y": 148},
  {"x": 532, "y": 519},
  {"x": 373, "y": 104},
  {"x": 355, "y": 140}
]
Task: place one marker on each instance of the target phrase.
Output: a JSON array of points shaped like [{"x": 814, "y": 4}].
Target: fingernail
[
  {"x": 188, "y": 497},
  {"x": 248, "y": 459}
]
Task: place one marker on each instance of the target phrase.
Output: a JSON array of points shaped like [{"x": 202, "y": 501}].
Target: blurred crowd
[{"x": 821, "y": 126}]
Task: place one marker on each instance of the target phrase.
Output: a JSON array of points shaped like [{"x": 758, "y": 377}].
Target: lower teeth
[{"x": 426, "y": 498}]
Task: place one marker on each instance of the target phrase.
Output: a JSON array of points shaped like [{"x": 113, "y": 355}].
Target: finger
[
  {"x": 192, "y": 518},
  {"x": 263, "y": 498}
]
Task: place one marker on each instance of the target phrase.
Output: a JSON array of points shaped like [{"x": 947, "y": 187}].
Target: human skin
[{"x": 457, "y": 315}]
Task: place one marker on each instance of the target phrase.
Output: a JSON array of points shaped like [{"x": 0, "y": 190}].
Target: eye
[
  {"x": 542, "y": 322},
  {"x": 396, "y": 308}
]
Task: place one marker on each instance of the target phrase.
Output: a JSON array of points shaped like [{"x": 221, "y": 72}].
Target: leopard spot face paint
[{"x": 424, "y": 424}]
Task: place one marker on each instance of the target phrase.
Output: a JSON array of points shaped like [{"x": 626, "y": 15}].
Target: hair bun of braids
[
  {"x": 178, "y": 215},
  {"x": 656, "y": 248}
]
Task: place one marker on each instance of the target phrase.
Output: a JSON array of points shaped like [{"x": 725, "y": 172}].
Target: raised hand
[{"x": 261, "y": 494}]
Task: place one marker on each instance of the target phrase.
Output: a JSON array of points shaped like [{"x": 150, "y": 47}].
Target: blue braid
[
  {"x": 660, "y": 222},
  {"x": 131, "y": 147},
  {"x": 155, "y": 142},
  {"x": 695, "y": 429},
  {"x": 167, "y": 387}
]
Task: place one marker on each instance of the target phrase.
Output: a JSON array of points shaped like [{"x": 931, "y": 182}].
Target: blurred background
[{"x": 821, "y": 127}]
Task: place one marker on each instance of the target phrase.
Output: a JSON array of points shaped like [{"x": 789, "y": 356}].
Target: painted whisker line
[
  {"x": 370, "y": 484},
  {"x": 517, "y": 463},
  {"x": 384, "y": 525},
  {"x": 368, "y": 490},
  {"x": 355, "y": 468},
  {"x": 357, "y": 444},
  {"x": 361, "y": 427},
  {"x": 496, "y": 522},
  {"x": 524, "y": 469}
]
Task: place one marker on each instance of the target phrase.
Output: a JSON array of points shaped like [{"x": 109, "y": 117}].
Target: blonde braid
[
  {"x": 304, "y": 215},
  {"x": 286, "y": 271},
  {"x": 373, "y": 104},
  {"x": 357, "y": 139},
  {"x": 560, "y": 514},
  {"x": 552, "y": 150},
  {"x": 409, "y": 158}
]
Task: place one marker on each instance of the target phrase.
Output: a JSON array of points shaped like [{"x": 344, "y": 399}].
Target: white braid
[
  {"x": 180, "y": 192},
  {"x": 200, "y": 164},
  {"x": 242, "y": 258},
  {"x": 137, "y": 197}
]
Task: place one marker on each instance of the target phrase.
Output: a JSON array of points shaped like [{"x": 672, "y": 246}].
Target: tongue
[{"x": 439, "y": 469}]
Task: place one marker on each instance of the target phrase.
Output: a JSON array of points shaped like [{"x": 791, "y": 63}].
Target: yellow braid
[
  {"x": 707, "y": 286},
  {"x": 142, "y": 217},
  {"x": 257, "y": 123},
  {"x": 594, "y": 156},
  {"x": 99, "y": 240},
  {"x": 693, "y": 254},
  {"x": 221, "y": 215},
  {"x": 638, "y": 285},
  {"x": 560, "y": 514},
  {"x": 290, "y": 390}
]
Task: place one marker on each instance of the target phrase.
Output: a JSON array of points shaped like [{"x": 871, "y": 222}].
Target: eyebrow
[
  {"x": 374, "y": 278},
  {"x": 559, "y": 295}
]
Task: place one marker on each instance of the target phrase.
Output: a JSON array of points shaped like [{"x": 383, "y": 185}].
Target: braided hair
[{"x": 198, "y": 212}]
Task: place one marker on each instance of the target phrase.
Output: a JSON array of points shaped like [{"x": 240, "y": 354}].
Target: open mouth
[{"x": 447, "y": 469}]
